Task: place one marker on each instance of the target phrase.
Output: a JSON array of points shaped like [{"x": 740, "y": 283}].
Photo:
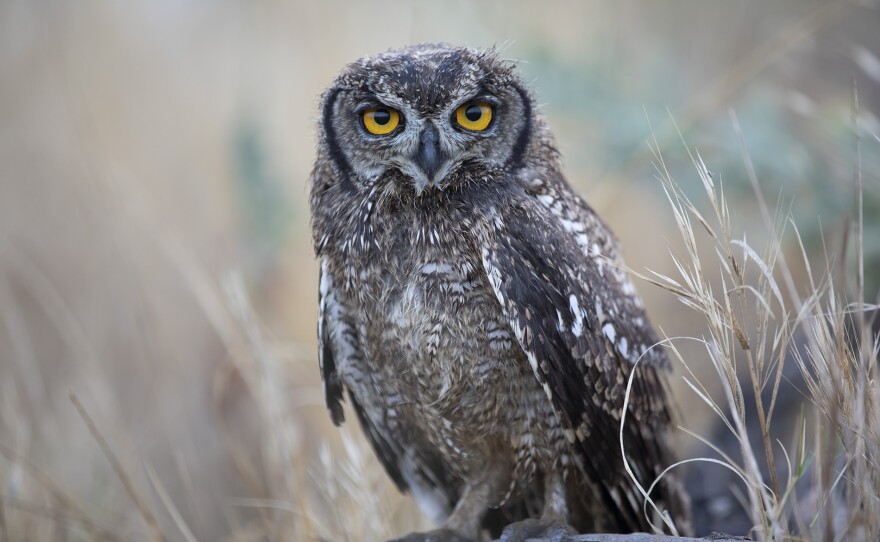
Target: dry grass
[{"x": 754, "y": 326}]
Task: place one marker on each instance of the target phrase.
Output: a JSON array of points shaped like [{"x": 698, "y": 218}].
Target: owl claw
[
  {"x": 549, "y": 530},
  {"x": 440, "y": 535}
]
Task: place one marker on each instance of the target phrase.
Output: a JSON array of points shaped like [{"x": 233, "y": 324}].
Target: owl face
[{"x": 428, "y": 117}]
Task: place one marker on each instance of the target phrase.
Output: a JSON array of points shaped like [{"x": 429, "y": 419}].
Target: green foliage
[{"x": 264, "y": 205}]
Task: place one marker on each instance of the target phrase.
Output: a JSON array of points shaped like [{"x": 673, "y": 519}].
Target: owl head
[{"x": 426, "y": 117}]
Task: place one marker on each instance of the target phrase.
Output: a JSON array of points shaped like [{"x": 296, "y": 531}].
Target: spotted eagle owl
[{"x": 475, "y": 309}]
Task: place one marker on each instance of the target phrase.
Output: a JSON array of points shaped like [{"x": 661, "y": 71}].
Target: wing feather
[
  {"x": 581, "y": 327},
  {"x": 328, "y": 319}
]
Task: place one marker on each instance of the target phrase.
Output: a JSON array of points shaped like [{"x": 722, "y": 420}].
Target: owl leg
[
  {"x": 464, "y": 523},
  {"x": 553, "y": 523},
  {"x": 438, "y": 535}
]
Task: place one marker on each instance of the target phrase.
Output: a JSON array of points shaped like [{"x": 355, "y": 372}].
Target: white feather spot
[
  {"x": 623, "y": 347},
  {"x": 498, "y": 333},
  {"x": 609, "y": 332},
  {"x": 600, "y": 261},
  {"x": 547, "y": 391},
  {"x": 546, "y": 199},
  {"x": 571, "y": 226},
  {"x": 326, "y": 281},
  {"x": 533, "y": 361},
  {"x": 437, "y": 267},
  {"x": 578, "y": 326},
  {"x": 573, "y": 304}
]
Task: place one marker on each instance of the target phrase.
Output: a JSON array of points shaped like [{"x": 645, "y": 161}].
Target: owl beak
[{"x": 429, "y": 157}]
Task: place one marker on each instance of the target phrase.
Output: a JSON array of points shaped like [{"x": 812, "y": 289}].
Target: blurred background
[{"x": 155, "y": 255}]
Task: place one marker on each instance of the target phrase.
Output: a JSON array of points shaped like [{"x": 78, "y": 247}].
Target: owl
[{"x": 475, "y": 311}]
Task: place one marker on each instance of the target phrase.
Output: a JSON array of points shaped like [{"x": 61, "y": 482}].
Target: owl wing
[
  {"x": 337, "y": 338},
  {"x": 582, "y": 327},
  {"x": 329, "y": 323}
]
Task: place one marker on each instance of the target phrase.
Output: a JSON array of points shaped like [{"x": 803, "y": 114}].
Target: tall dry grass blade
[
  {"x": 730, "y": 463},
  {"x": 169, "y": 504},
  {"x": 45, "y": 292},
  {"x": 645, "y": 494},
  {"x": 750, "y": 254},
  {"x": 270, "y": 397},
  {"x": 860, "y": 224},
  {"x": 266, "y": 503},
  {"x": 757, "y": 296},
  {"x": 67, "y": 503},
  {"x": 124, "y": 478},
  {"x": 186, "y": 477},
  {"x": 4, "y": 529},
  {"x": 762, "y": 207},
  {"x": 61, "y": 518},
  {"x": 712, "y": 405}
]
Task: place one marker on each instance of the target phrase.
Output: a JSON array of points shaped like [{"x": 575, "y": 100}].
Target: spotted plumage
[{"x": 475, "y": 309}]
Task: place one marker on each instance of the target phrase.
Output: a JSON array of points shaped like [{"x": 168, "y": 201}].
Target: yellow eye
[
  {"x": 381, "y": 121},
  {"x": 474, "y": 116}
]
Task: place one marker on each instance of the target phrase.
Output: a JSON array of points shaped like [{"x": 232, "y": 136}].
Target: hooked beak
[{"x": 429, "y": 157}]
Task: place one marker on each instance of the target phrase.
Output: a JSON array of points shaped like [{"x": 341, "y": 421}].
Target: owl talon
[
  {"x": 550, "y": 530},
  {"x": 439, "y": 535}
]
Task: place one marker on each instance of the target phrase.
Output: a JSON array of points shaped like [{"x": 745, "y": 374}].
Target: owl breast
[
  {"x": 436, "y": 323},
  {"x": 439, "y": 351}
]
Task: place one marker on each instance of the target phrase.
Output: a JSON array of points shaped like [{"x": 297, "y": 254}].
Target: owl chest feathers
[
  {"x": 430, "y": 326},
  {"x": 434, "y": 317}
]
